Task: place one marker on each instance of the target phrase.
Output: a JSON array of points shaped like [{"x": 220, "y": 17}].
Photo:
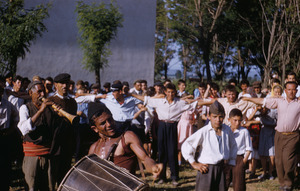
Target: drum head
[{"x": 94, "y": 173}]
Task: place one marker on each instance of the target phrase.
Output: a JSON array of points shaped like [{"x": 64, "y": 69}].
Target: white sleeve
[
  {"x": 25, "y": 123},
  {"x": 189, "y": 146},
  {"x": 85, "y": 99},
  {"x": 248, "y": 141}
]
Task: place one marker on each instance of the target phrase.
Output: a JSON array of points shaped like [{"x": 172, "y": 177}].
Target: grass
[{"x": 186, "y": 183}]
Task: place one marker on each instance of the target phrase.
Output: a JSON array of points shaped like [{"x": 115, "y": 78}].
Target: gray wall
[{"x": 57, "y": 50}]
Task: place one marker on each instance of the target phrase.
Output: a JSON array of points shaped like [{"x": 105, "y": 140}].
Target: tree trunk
[
  {"x": 166, "y": 70},
  {"x": 97, "y": 75},
  {"x": 267, "y": 71},
  {"x": 206, "y": 53}
]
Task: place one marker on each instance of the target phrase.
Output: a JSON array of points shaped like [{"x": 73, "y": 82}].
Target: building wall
[{"x": 57, "y": 50}]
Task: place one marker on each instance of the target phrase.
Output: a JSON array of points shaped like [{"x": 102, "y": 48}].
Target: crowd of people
[{"x": 220, "y": 131}]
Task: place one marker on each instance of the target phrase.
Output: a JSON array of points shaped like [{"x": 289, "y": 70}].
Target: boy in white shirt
[
  {"x": 217, "y": 149},
  {"x": 244, "y": 148}
]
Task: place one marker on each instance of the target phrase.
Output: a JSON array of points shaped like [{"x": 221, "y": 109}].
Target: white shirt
[
  {"x": 243, "y": 140},
  {"x": 120, "y": 112},
  {"x": 241, "y": 94},
  {"x": 170, "y": 112},
  {"x": 210, "y": 152},
  {"x": 25, "y": 123},
  {"x": 17, "y": 102},
  {"x": 8, "y": 113}
]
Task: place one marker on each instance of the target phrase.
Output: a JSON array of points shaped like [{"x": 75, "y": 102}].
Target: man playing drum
[{"x": 120, "y": 147}]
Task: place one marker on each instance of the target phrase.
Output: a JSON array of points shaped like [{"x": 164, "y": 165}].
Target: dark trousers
[
  {"x": 238, "y": 174},
  {"x": 213, "y": 180},
  {"x": 286, "y": 157},
  {"x": 5, "y": 162},
  {"x": 167, "y": 148},
  {"x": 60, "y": 165}
]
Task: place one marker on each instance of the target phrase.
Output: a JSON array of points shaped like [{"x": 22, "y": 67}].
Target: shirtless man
[{"x": 127, "y": 145}]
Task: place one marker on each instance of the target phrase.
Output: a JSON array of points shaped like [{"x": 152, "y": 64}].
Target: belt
[
  {"x": 289, "y": 133},
  {"x": 168, "y": 121}
]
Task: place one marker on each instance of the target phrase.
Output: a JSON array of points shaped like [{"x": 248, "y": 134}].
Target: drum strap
[{"x": 112, "y": 149}]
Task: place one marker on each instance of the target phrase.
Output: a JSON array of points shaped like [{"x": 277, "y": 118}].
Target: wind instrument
[{"x": 74, "y": 119}]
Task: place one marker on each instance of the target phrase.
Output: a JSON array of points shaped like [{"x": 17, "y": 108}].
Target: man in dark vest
[
  {"x": 37, "y": 125},
  {"x": 64, "y": 142}
]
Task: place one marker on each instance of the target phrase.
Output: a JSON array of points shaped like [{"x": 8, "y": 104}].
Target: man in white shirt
[
  {"x": 217, "y": 147},
  {"x": 169, "y": 111}
]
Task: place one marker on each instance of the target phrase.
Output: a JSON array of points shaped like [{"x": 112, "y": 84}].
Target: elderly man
[
  {"x": 37, "y": 125},
  {"x": 120, "y": 147},
  {"x": 287, "y": 132},
  {"x": 217, "y": 147},
  {"x": 63, "y": 145}
]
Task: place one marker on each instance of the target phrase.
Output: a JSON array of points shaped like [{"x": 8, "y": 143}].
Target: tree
[
  {"x": 18, "y": 28},
  {"x": 164, "y": 53},
  {"x": 97, "y": 25}
]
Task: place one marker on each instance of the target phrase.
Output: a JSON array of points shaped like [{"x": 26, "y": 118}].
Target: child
[
  {"x": 244, "y": 146},
  {"x": 217, "y": 148}
]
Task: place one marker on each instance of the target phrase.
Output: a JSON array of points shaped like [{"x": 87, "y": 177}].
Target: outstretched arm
[
  {"x": 136, "y": 147},
  {"x": 203, "y": 102},
  {"x": 257, "y": 101},
  {"x": 137, "y": 96}
]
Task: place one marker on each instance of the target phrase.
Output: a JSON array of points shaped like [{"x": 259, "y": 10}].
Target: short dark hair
[
  {"x": 136, "y": 81},
  {"x": 230, "y": 88},
  {"x": 235, "y": 112},
  {"x": 150, "y": 91},
  {"x": 275, "y": 80},
  {"x": 17, "y": 77},
  {"x": 295, "y": 83},
  {"x": 50, "y": 79},
  {"x": 214, "y": 86},
  {"x": 180, "y": 82},
  {"x": 117, "y": 82},
  {"x": 143, "y": 81},
  {"x": 171, "y": 86},
  {"x": 244, "y": 81},
  {"x": 232, "y": 80},
  {"x": 202, "y": 85},
  {"x": 106, "y": 85},
  {"x": 97, "y": 114},
  {"x": 125, "y": 83},
  {"x": 291, "y": 73}
]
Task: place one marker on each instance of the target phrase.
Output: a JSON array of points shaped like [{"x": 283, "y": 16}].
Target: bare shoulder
[
  {"x": 131, "y": 137},
  {"x": 92, "y": 147}
]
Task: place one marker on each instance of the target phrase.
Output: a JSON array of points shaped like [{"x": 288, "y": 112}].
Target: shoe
[
  {"x": 271, "y": 178},
  {"x": 175, "y": 183},
  {"x": 161, "y": 181},
  {"x": 252, "y": 176},
  {"x": 261, "y": 177}
]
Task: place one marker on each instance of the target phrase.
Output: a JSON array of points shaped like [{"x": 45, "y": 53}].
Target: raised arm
[{"x": 206, "y": 102}]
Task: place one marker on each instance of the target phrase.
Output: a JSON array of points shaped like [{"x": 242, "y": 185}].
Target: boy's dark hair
[
  {"x": 232, "y": 80},
  {"x": 171, "y": 86},
  {"x": 17, "y": 77},
  {"x": 202, "y": 85},
  {"x": 180, "y": 82},
  {"x": 230, "y": 88},
  {"x": 275, "y": 80},
  {"x": 125, "y": 83},
  {"x": 214, "y": 86},
  {"x": 245, "y": 82},
  {"x": 235, "y": 112}
]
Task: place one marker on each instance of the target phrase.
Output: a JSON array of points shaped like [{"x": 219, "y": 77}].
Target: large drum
[{"x": 94, "y": 173}]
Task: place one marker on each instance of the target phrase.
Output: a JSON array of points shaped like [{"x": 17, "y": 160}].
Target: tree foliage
[
  {"x": 98, "y": 25},
  {"x": 18, "y": 28}
]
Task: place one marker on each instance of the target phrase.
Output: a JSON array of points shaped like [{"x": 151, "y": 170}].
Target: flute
[{"x": 74, "y": 119}]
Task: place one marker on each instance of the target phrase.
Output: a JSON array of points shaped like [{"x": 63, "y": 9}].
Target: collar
[
  {"x": 62, "y": 97},
  {"x": 212, "y": 129}
]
